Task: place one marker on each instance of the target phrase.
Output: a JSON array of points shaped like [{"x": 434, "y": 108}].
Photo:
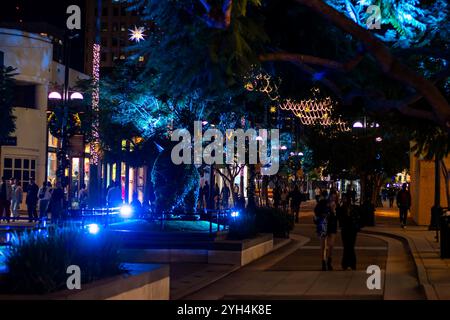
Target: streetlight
[{"x": 62, "y": 153}]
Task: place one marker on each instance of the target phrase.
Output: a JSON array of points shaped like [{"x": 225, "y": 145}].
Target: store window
[{"x": 22, "y": 169}]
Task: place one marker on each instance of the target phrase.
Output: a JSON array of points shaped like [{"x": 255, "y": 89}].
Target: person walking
[
  {"x": 114, "y": 196},
  {"x": 317, "y": 193},
  {"x": 5, "y": 200},
  {"x": 403, "y": 204},
  {"x": 349, "y": 221},
  {"x": 225, "y": 195},
  {"x": 16, "y": 199},
  {"x": 284, "y": 199},
  {"x": 296, "y": 200},
  {"x": 391, "y": 196},
  {"x": 83, "y": 196},
  {"x": 44, "y": 196},
  {"x": 276, "y": 197},
  {"x": 333, "y": 205},
  {"x": 56, "y": 204},
  {"x": 216, "y": 197},
  {"x": 321, "y": 215},
  {"x": 32, "y": 200},
  {"x": 136, "y": 205}
]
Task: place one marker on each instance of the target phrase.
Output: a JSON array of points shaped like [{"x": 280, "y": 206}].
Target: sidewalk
[
  {"x": 433, "y": 272},
  {"x": 408, "y": 258}
]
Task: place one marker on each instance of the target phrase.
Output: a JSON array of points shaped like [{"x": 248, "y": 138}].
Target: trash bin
[{"x": 445, "y": 235}]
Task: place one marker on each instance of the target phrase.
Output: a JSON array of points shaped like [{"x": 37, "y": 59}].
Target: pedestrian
[
  {"x": 321, "y": 214},
  {"x": 5, "y": 199},
  {"x": 16, "y": 199},
  {"x": 284, "y": 198},
  {"x": 296, "y": 199},
  {"x": 403, "y": 204},
  {"x": 349, "y": 221},
  {"x": 56, "y": 204},
  {"x": 216, "y": 197},
  {"x": 225, "y": 195},
  {"x": 317, "y": 193},
  {"x": 136, "y": 205},
  {"x": 83, "y": 197},
  {"x": 276, "y": 197},
  {"x": 32, "y": 200},
  {"x": 44, "y": 199},
  {"x": 391, "y": 195},
  {"x": 333, "y": 205},
  {"x": 114, "y": 196},
  {"x": 353, "y": 196}
]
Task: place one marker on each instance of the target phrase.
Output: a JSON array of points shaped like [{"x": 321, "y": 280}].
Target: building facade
[{"x": 30, "y": 152}]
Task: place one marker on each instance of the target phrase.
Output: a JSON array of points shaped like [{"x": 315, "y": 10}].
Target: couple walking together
[{"x": 328, "y": 213}]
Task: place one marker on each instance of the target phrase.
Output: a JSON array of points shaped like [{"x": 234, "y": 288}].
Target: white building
[{"x": 32, "y": 56}]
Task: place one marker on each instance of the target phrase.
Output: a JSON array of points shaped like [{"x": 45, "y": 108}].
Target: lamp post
[
  {"x": 436, "y": 210},
  {"x": 62, "y": 152},
  {"x": 365, "y": 201},
  {"x": 64, "y": 138}
]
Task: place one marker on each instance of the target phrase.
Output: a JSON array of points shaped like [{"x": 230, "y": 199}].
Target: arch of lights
[{"x": 312, "y": 111}]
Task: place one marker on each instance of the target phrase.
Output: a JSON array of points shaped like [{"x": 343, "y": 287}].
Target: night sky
[{"x": 52, "y": 12}]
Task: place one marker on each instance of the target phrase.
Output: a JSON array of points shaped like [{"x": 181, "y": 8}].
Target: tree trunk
[
  {"x": 389, "y": 64},
  {"x": 446, "y": 181}
]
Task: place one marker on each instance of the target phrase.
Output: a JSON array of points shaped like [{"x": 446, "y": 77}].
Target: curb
[{"x": 424, "y": 283}]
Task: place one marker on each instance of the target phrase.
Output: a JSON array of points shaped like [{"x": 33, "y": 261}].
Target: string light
[
  {"x": 94, "y": 146},
  {"x": 262, "y": 82},
  {"x": 137, "y": 34},
  {"x": 313, "y": 111}
]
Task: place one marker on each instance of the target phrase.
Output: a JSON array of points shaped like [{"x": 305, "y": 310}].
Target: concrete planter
[
  {"x": 143, "y": 282},
  {"x": 240, "y": 252},
  {"x": 219, "y": 251}
]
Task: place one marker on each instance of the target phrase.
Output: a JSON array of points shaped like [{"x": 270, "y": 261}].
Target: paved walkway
[{"x": 408, "y": 258}]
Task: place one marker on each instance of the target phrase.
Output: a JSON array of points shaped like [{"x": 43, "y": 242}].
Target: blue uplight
[
  {"x": 235, "y": 214},
  {"x": 93, "y": 228},
  {"x": 126, "y": 211}
]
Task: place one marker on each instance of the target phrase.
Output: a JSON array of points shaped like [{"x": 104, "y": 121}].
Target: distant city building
[{"x": 116, "y": 21}]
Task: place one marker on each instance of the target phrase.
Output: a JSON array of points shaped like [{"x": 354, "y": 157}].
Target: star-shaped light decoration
[{"x": 137, "y": 34}]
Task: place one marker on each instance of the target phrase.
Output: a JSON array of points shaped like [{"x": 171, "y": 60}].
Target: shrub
[
  {"x": 37, "y": 261},
  {"x": 242, "y": 228},
  {"x": 276, "y": 221}
]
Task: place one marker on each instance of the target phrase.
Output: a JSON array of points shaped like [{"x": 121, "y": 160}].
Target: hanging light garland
[
  {"x": 94, "y": 145},
  {"x": 262, "y": 82},
  {"x": 313, "y": 111}
]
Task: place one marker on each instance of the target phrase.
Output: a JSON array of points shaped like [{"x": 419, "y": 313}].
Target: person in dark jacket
[
  {"x": 403, "y": 204},
  {"x": 32, "y": 200},
  {"x": 56, "y": 205},
  {"x": 137, "y": 206},
  {"x": 296, "y": 200},
  {"x": 348, "y": 218}
]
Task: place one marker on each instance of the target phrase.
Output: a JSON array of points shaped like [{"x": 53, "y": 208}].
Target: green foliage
[
  {"x": 7, "y": 119},
  {"x": 276, "y": 221},
  {"x": 189, "y": 55},
  {"x": 175, "y": 186},
  {"x": 37, "y": 262},
  {"x": 243, "y": 227}
]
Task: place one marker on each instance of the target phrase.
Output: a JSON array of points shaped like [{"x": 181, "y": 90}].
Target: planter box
[
  {"x": 240, "y": 252},
  {"x": 143, "y": 282},
  {"x": 218, "y": 251}
]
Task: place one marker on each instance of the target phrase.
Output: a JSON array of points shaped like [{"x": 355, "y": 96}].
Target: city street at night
[{"x": 226, "y": 158}]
